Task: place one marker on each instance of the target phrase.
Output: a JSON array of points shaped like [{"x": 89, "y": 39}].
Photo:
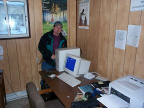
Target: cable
[{"x": 96, "y": 73}]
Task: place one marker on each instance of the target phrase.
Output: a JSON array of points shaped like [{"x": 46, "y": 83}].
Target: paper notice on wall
[
  {"x": 120, "y": 39},
  {"x": 83, "y": 21},
  {"x": 133, "y": 35},
  {"x": 1, "y": 57},
  {"x": 1, "y": 50},
  {"x": 137, "y": 5}
]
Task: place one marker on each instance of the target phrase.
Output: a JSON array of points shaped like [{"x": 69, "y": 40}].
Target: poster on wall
[
  {"x": 52, "y": 11},
  {"x": 137, "y": 5},
  {"x": 83, "y": 20}
]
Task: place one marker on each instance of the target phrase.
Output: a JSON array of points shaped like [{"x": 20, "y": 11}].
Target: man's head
[
  {"x": 57, "y": 28},
  {"x": 58, "y": 23}
]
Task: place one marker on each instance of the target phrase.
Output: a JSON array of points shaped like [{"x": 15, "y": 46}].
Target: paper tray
[{"x": 112, "y": 101}]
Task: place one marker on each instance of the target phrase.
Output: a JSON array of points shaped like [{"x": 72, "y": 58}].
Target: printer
[{"x": 130, "y": 89}]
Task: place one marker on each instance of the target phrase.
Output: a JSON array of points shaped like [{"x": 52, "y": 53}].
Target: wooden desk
[
  {"x": 2, "y": 91},
  {"x": 64, "y": 92}
]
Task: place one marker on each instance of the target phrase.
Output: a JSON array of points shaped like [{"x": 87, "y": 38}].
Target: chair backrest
[{"x": 35, "y": 99}]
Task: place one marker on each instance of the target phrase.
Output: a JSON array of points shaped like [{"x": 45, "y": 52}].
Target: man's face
[{"x": 57, "y": 30}]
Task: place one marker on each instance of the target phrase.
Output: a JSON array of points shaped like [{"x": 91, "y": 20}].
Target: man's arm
[{"x": 42, "y": 47}]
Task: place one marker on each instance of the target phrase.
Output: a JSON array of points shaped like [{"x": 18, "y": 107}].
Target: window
[{"x": 13, "y": 19}]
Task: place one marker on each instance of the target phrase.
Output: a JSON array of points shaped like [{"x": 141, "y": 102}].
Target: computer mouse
[{"x": 52, "y": 75}]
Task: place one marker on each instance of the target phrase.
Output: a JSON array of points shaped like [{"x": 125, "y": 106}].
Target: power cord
[
  {"x": 98, "y": 77},
  {"x": 97, "y": 74}
]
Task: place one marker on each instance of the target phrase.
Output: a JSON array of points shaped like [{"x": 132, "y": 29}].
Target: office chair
[{"x": 36, "y": 101}]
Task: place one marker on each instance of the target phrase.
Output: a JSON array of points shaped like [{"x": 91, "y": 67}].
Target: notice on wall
[
  {"x": 1, "y": 50},
  {"x": 1, "y": 57},
  {"x": 120, "y": 39},
  {"x": 133, "y": 35},
  {"x": 137, "y": 5},
  {"x": 84, "y": 14}
]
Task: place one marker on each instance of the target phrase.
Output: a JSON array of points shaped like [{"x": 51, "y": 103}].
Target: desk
[
  {"x": 2, "y": 91},
  {"x": 63, "y": 91}
]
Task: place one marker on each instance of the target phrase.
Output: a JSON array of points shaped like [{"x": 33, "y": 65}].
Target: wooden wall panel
[
  {"x": 96, "y": 29},
  {"x": 122, "y": 22},
  {"x": 68, "y": 23},
  {"x": 72, "y": 23},
  {"x": 5, "y": 66},
  {"x": 113, "y": 14},
  {"x": 83, "y": 43},
  {"x": 38, "y": 30},
  {"x": 90, "y": 35},
  {"x": 139, "y": 64},
  {"x": 103, "y": 36},
  {"x": 24, "y": 60},
  {"x": 33, "y": 45},
  {"x": 38, "y": 26},
  {"x": 130, "y": 56},
  {"x": 13, "y": 63}
]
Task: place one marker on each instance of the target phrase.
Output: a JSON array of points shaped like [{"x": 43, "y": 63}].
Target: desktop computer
[
  {"x": 75, "y": 65},
  {"x": 60, "y": 55}
]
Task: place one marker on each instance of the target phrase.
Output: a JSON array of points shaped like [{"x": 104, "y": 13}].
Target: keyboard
[{"x": 68, "y": 79}]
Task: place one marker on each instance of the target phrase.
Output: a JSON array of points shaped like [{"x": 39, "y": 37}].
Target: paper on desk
[{"x": 112, "y": 101}]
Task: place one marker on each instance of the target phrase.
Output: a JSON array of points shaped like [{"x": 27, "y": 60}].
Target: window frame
[{"x": 26, "y": 13}]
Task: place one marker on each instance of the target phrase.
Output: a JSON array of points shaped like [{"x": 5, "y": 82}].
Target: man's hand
[{"x": 53, "y": 57}]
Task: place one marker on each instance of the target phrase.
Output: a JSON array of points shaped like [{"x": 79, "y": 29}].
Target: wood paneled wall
[
  {"x": 97, "y": 42},
  {"x": 19, "y": 63},
  {"x": 71, "y": 12},
  {"x": 20, "y": 55}
]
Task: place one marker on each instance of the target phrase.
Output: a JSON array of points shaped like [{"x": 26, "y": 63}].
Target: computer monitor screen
[{"x": 70, "y": 63}]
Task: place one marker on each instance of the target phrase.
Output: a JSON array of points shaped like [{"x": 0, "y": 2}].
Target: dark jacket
[{"x": 46, "y": 46}]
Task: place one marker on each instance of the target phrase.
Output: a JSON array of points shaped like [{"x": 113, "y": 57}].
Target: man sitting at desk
[{"x": 47, "y": 45}]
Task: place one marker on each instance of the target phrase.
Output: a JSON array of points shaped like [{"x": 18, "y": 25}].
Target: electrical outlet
[{"x": 36, "y": 59}]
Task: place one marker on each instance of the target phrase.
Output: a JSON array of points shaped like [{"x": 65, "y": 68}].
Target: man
[{"x": 47, "y": 45}]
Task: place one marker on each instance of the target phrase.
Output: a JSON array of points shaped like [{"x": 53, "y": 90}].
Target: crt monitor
[
  {"x": 60, "y": 55},
  {"x": 75, "y": 65}
]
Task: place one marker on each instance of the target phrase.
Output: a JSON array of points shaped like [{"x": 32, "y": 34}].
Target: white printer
[{"x": 130, "y": 89}]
